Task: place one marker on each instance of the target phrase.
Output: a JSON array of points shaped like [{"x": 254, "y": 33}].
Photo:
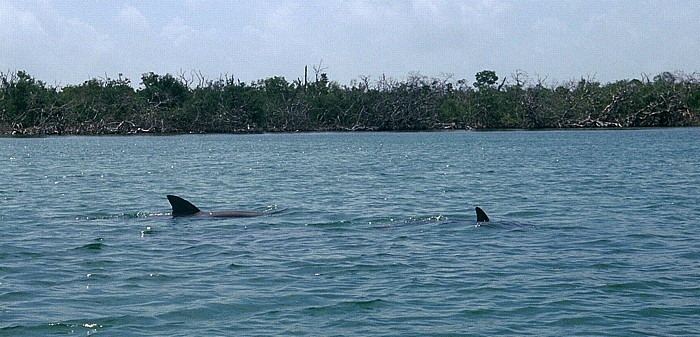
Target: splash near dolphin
[{"x": 182, "y": 207}]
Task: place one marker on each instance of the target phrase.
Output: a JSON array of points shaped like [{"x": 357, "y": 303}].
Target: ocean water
[{"x": 593, "y": 233}]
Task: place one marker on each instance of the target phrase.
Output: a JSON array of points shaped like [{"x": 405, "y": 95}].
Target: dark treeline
[{"x": 175, "y": 104}]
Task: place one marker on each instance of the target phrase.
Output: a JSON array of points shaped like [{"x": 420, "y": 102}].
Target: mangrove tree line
[{"x": 192, "y": 103}]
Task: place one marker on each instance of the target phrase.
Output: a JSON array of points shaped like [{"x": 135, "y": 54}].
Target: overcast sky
[{"x": 65, "y": 42}]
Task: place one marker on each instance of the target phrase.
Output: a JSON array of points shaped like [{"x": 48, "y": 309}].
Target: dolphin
[
  {"x": 483, "y": 220},
  {"x": 182, "y": 207},
  {"x": 481, "y": 215}
]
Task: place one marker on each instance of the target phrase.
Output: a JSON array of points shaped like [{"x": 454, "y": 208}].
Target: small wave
[
  {"x": 335, "y": 225},
  {"x": 55, "y": 328},
  {"x": 98, "y": 245},
  {"x": 505, "y": 225},
  {"x": 93, "y": 246},
  {"x": 478, "y": 312},
  {"x": 235, "y": 266},
  {"x": 368, "y": 304},
  {"x": 346, "y": 306},
  {"x": 391, "y": 223},
  {"x": 15, "y": 296},
  {"x": 137, "y": 215}
]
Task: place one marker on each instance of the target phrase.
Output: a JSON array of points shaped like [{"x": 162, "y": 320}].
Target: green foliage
[
  {"x": 26, "y": 102},
  {"x": 485, "y": 79},
  {"x": 165, "y": 92},
  {"x": 98, "y": 105},
  {"x": 164, "y": 103}
]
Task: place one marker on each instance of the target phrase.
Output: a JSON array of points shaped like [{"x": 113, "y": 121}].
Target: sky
[{"x": 66, "y": 42}]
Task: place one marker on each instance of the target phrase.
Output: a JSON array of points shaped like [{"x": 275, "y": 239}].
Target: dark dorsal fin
[
  {"x": 481, "y": 215},
  {"x": 182, "y": 206}
]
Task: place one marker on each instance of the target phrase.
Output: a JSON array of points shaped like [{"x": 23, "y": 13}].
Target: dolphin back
[
  {"x": 181, "y": 206},
  {"x": 481, "y": 215}
]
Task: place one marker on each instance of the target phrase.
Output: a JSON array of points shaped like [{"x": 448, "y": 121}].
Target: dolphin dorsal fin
[
  {"x": 481, "y": 215},
  {"x": 182, "y": 206}
]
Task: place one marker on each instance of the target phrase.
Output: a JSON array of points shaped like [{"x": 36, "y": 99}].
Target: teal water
[{"x": 593, "y": 233}]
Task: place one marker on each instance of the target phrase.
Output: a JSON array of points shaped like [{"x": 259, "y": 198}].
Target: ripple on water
[{"x": 379, "y": 238}]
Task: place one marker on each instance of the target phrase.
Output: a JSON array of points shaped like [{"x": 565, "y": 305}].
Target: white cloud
[
  {"x": 131, "y": 18},
  {"x": 12, "y": 19},
  {"x": 69, "y": 42},
  {"x": 44, "y": 42},
  {"x": 21, "y": 33},
  {"x": 179, "y": 33}
]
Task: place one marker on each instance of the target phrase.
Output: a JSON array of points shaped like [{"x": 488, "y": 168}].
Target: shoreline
[
  {"x": 166, "y": 104},
  {"x": 15, "y": 134}
]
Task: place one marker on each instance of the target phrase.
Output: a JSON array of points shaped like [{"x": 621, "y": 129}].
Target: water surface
[{"x": 593, "y": 233}]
